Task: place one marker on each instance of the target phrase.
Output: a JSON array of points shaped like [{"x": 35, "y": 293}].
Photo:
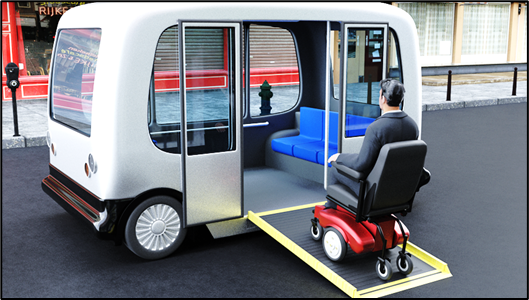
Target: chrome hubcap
[{"x": 157, "y": 227}]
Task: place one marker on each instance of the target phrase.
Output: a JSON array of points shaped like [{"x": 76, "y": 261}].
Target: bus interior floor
[{"x": 267, "y": 189}]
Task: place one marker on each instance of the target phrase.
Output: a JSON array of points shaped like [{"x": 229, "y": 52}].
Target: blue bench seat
[
  {"x": 310, "y": 143},
  {"x": 315, "y": 151},
  {"x": 310, "y": 130}
]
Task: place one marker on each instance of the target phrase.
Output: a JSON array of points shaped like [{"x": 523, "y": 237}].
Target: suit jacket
[{"x": 388, "y": 128}]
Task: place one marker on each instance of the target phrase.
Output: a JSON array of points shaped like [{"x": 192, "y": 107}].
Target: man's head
[{"x": 393, "y": 91}]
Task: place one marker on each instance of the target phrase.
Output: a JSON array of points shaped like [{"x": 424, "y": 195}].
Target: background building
[{"x": 451, "y": 34}]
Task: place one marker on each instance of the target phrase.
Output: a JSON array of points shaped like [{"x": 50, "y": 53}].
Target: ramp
[{"x": 355, "y": 275}]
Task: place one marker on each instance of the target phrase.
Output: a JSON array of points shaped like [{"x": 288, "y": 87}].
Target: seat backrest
[
  {"x": 392, "y": 183},
  {"x": 311, "y": 123}
]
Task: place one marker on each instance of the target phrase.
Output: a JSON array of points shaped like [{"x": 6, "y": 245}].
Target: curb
[
  {"x": 22, "y": 142},
  {"x": 474, "y": 103}
]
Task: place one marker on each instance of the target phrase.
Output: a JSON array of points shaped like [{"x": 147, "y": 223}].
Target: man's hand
[{"x": 334, "y": 157}]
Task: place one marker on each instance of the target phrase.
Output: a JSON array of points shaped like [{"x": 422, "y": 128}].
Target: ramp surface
[{"x": 355, "y": 274}]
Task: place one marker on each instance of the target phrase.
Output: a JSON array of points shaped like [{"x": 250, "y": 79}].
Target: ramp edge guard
[
  {"x": 343, "y": 285},
  {"x": 441, "y": 269}
]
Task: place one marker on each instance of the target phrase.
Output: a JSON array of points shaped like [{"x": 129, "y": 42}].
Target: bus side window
[
  {"x": 273, "y": 58},
  {"x": 164, "y": 94},
  {"x": 209, "y": 126}
]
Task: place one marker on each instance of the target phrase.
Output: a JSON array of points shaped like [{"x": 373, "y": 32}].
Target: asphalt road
[{"x": 472, "y": 215}]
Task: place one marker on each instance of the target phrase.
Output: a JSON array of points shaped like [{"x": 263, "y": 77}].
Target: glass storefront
[{"x": 38, "y": 22}]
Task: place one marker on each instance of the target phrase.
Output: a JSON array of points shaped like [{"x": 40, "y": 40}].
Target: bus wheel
[{"x": 154, "y": 229}]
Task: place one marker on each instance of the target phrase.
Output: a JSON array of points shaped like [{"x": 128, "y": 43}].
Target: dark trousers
[{"x": 333, "y": 177}]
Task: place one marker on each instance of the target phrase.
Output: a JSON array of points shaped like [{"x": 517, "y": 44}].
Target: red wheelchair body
[{"x": 361, "y": 237}]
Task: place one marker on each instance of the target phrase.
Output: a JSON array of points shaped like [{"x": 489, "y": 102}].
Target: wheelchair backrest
[{"x": 392, "y": 183}]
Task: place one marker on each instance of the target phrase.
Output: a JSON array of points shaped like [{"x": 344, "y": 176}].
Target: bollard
[
  {"x": 15, "y": 113},
  {"x": 265, "y": 95},
  {"x": 449, "y": 86},
  {"x": 514, "y": 81},
  {"x": 13, "y": 83}
]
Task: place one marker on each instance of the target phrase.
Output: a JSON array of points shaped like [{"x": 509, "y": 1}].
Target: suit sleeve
[{"x": 365, "y": 160}]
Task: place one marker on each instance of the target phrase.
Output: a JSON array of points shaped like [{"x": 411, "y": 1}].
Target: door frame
[{"x": 353, "y": 144}]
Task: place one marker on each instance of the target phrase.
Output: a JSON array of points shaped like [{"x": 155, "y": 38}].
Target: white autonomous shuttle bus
[{"x": 264, "y": 92}]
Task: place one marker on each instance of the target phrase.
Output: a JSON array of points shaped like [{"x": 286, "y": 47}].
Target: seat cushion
[
  {"x": 286, "y": 145},
  {"x": 343, "y": 194},
  {"x": 308, "y": 151},
  {"x": 321, "y": 154}
]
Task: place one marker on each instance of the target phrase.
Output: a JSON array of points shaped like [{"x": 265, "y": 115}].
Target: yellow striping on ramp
[
  {"x": 440, "y": 271},
  {"x": 345, "y": 286},
  {"x": 428, "y": 258}
]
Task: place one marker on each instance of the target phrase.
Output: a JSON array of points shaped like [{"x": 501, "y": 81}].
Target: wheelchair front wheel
[
  {"x": 384, "y": 270},
  {"x": 316, "y": 231},
  {"x": 404, "y": 264}
]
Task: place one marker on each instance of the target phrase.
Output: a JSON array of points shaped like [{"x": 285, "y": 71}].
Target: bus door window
[
  {"x": 209, "y": 107},
  {"x": 364, "y": 70}
]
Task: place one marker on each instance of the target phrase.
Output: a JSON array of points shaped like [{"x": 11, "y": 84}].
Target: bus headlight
[
  {"x": 50, "y": 144},
  {"x": 91, "y": 163}
]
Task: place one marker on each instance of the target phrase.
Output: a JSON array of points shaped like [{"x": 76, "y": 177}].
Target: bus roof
[{"x": 119, "y": 14}]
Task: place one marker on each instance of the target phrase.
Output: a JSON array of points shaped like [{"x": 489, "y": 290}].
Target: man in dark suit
[{"x": 393, "y": 125}]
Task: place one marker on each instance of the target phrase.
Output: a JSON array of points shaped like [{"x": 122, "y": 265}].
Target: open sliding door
[{"x": 211, "y": 117}]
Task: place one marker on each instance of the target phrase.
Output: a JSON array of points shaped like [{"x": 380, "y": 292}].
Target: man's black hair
[{"x": 393, "y": 90}]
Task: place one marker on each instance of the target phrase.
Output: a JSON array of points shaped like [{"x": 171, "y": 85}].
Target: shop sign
[{"x": 56, "y": 8}]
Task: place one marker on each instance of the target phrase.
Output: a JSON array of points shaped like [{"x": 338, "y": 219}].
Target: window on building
[
  {"x": 273, "y": 58},
  {"x": 435, "y": 24},
  {"x": 485, "y": 33},
  {"x": 72, "y": 80}
]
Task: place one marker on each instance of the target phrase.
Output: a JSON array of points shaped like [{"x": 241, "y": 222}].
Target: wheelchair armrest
[{"x": 350, "y": 173}]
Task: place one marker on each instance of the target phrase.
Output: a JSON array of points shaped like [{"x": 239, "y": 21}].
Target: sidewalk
[{"x": 469, "y": 90}]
